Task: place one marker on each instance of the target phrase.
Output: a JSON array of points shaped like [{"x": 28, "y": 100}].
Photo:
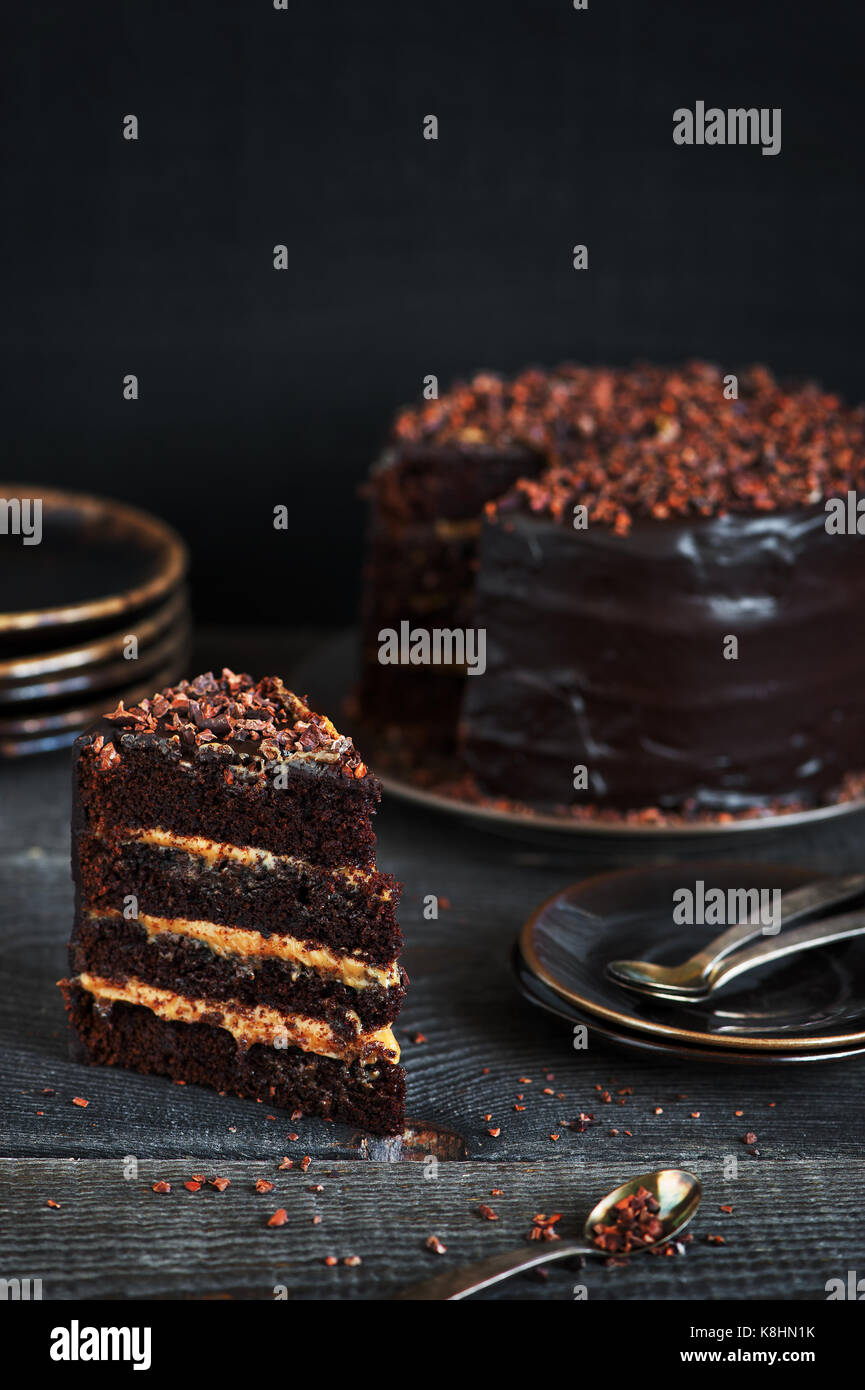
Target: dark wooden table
[{"x": 797, "y": 1209}]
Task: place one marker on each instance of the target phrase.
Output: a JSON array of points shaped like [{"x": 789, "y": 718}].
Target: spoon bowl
[{"x": 676, "y": 1191}]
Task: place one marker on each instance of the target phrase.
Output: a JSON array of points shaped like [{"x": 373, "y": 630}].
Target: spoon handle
[
  {"x": 455, "y": 1284},
  {"x": 775, "y": 948},
  {"x": 799, "y": 902}
]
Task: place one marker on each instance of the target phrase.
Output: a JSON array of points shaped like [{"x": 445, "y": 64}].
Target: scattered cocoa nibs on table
[
  {"x": 497, "y": 1192},
  {"x": 495, "y": 1132},
  {"x": 419, "y": 1038},
  {"x": 262, "y": 1185},
  {"x": 435, "y": 1245},
  {"x": 606, "y": 1098},
  {"x": 331, "y": 1260},
  {"x": 487, "y": 1213},
  {"x": 635, "y": 1224},
  {"x": 725, "y": 1208},
  {"x": 199, "y": 1177},
  {"x": 520, "y": 1108},
  {"x": 580, "y": 1124},
  {"x": 715, "y": 1240},
  {"x": 296, "y": 1115},
  {"x": 524, "y": 1080},
  {"x": 738, "y": 1114},
  {"x": 695, "y": 1114},
  {"x": 292, "y": 1137},
  {"x": 80, "y": 1101},
  {"x": 162, "y": 1187},
  {"x": 304, "y": 1163},
  {"x": 317, "y": 1219},
  {"x": 543, "y": 1226},
  {"x": 220, "y": 1183},
  {"x": 352, "y": 1261},
  {"x": 444, "y": 904},
  {"x": 52, "y": 1203},
  {"x": 555, "y": 1138},
  {"x": 279, "y": 1218},
  {"x": 50, "y": 1091},
  {"x": 286, "y": 1163},
  {"x": 192, "y": 1186},
  {"x": 315, "y": 1187},
  {"x": 749, "y": 1138},
  {"x": 659, "y": 1109},
  {"x": 548, "y": 1091}
]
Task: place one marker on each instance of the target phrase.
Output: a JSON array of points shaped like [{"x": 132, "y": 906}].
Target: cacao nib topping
[
  {"x": 263, "y": 719},
  {"x": 649, "y": 441}
]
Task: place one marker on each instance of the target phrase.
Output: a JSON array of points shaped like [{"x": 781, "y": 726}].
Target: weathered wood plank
[{"x": 112, "y": 1236}]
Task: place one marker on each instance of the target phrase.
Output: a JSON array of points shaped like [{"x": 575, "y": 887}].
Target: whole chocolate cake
[
  {"x": 669, "y": 621},
  {"x": 231, "y": 927}
]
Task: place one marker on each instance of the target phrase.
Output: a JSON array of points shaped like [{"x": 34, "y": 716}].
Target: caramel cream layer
[
  {"x": 242, "y": 941},
  {"x": 215, "y": 850},
  {"x": 248, "y": 1025}
]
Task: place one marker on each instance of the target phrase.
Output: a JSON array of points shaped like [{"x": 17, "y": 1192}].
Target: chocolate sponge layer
[
  {"x": 116, "y": 949},
  {"x": 128, "y": 1035},
  {"x": 315, "y": 904}
]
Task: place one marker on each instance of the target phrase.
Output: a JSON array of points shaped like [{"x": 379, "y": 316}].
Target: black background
[{"x": 407, "y": 256}]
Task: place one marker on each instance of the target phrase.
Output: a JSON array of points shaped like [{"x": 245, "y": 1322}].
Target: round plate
[
  {"x": 47, "y": 732},
  {"x": 811, "y": 1001},
  {"x": 96, "y": 560},
  {"x": 328, "y": 676},
  {"x": 536, "y": 993},
  {"x": 43, "y": 696},
  {"x": 18, "y": 672}
]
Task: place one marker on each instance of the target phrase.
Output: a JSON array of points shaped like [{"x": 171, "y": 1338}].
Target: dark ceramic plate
[
  {"x": 328, "y": 676},
  {"x": 809, "y": 1002},
  {"x": 46, "y": 732},
  {"x": 45, "y": 669},
  {"x": 543, "y": 998},
  {"x": 97, "y": 562}
]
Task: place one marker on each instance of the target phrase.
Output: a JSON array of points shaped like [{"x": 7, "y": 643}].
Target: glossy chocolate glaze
[{"x": 608, "y": 651}]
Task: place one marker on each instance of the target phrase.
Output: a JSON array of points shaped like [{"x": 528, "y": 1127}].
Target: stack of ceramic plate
[
  {"x": 810, "y": 1007},
  {"x": 93, "y": 610}
]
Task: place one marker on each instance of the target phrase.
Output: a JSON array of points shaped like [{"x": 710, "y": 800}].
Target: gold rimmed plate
[
  {"x": 46, "y": 732},
  {"x": 147, "y": 626},
  {"x": 807, "y": 1003},
  {"x": 95, "y": 561},
  {"x": 31, "y": 697},
  {"x": 545, "y": 999}
]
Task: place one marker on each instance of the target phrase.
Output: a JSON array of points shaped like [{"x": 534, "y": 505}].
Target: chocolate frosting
[{"x": 607, "y": 650}]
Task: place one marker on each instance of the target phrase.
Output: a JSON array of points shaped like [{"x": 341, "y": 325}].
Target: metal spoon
[
  {"x": 677, "y": 1191},
  {"x": 691, "y": 979},
  {"x": 797, "y": 939}
]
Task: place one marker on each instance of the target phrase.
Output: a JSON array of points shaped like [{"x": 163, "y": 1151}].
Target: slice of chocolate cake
[{"x": 231, "y": 927}]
